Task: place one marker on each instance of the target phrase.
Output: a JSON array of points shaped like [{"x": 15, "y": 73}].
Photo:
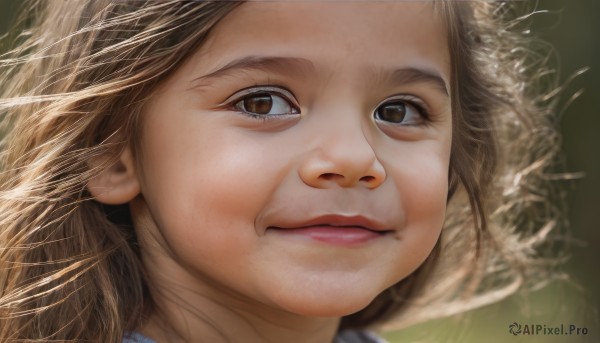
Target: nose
[{"x": 344, "y": 159}]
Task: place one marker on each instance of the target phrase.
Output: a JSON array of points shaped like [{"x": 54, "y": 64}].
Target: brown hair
[
  {"x": 69, "y": 267},
  {"x": 503, "y": 212}
]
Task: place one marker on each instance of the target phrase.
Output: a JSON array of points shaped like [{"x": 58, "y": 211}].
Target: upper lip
[{"x": 341, "y": 221}]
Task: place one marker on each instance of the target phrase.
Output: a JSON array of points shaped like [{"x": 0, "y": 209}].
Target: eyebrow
[
  {"x": 293, "y": 65},
  {"x": 302, "y": 66},
  {"x": 414, "y": 75}
]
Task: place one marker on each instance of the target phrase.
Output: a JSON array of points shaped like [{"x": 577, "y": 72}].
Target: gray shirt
[{"x": 346, "y": 336}]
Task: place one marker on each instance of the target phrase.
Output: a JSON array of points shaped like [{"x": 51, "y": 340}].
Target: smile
[{"x": 336, "y": 230}]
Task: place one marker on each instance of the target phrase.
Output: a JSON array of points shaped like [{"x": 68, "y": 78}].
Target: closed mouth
[
  {"x": 339, "y": 221},
  {"x": 340, "y": 227}
]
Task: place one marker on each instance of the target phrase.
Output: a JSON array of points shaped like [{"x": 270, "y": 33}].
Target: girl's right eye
[{"x": 264, "y": 103}]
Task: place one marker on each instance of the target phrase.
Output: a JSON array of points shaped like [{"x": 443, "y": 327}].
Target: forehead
[{"x": 359, "y": 35}]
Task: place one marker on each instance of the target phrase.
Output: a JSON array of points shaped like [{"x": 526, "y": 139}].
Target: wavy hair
[{"x": 70, "y": 267}]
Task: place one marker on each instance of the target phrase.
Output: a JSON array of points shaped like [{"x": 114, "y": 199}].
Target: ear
[{"x": 117, "y": 184}]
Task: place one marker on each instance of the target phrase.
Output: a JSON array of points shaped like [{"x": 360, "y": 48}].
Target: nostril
[
  {"x": 330, "y": 176},
  {"x": 367, "y": 178}
]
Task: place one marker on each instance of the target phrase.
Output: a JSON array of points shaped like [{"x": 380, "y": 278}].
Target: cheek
[
  {"x": 424, "y": 187},
  {"x": 421, "y": 180},
  {"x": 202, "y": 182}
]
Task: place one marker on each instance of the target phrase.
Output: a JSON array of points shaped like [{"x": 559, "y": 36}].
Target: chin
[{"x": 328, "y": 304}]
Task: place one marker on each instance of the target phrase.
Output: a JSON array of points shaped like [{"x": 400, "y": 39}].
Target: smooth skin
[{"x": 290, "y": 111}]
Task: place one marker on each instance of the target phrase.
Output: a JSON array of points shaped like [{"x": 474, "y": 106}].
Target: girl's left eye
[
  {"x": 264, "y": 103},
  {"x": 401, "y": 112}
]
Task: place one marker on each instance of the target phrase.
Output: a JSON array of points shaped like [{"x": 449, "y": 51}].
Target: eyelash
[
  {"x": 279, "y": 91},
  {"x": 287, "y": 95},
  {"x": 409, "y": 100}
]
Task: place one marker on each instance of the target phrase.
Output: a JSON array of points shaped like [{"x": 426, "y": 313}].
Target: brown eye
[
  {"x": 393, "y": 112},
  {"x": 401, "y": 112},
  {"x": 265, "y": 104},
  {"x": 260, "y": 103}
]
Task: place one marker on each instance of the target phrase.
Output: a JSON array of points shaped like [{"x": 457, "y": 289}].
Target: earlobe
[{"x": 117, "y": 184}]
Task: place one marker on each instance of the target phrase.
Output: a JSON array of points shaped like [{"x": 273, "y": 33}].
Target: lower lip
[{"x": 335, "y": 235}]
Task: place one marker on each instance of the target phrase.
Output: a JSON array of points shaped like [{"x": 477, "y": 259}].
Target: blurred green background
[{"x": 573, "y": 28}]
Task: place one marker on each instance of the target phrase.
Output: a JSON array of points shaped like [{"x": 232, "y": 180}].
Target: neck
[
  {"x": 186, "y": 315},
  {"x": 191, "y": 307}
]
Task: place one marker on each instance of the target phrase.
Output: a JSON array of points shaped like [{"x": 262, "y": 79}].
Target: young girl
[{"x": 217, "y": 171}]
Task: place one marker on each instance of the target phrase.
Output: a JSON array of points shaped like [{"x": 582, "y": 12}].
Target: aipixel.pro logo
[
  {"x": 514, "y": 328},
  {"x": 546, "y": 330}
]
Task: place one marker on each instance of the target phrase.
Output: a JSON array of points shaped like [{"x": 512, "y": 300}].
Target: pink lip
[
  {"x": 337, "y": 235},
  {"x": 338, "y": 220},
  {"x": 337, "y": 230}
]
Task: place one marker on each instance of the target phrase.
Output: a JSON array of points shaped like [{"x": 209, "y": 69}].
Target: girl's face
[{"x": 299, "y": 160}]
